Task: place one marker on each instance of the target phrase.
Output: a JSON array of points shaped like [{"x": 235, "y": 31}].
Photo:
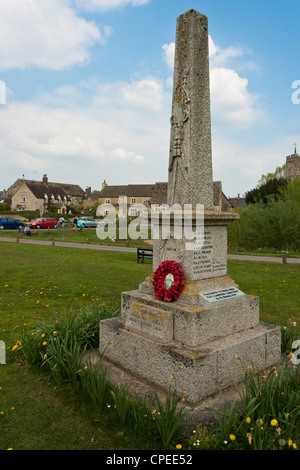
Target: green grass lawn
[
  {"x": 71, "y": 236},
  {"x": 39, "y": 281}
]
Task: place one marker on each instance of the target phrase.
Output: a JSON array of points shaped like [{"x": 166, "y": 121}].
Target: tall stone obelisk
[
  {"x": 190, "y": 161},
  {"x": 198, "y": 336}
]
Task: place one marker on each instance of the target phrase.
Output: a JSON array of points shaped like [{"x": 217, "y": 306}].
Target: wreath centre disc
[{"x": 168, "y": 281}]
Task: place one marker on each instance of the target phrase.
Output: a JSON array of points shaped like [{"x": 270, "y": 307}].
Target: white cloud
[
  {"x": 46, "y": 34},
  {"x": 169, "y": 53},
  {"x": 103, "y": 5},
  {"x": 147, "y": 93},
  {"x": 231, "y": 101},
  {"x": 219, "y": 57},
  {"x": 89, "y": 136},
  {"x": 124, "y": 155}
]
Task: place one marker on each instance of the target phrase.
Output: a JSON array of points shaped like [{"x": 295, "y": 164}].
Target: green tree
[
  {"x": 273, "y": 225},
  {"x": 292, "y": 191},
  {"x": 278, "y": 174},
  {"x": 272, "y": 189}
]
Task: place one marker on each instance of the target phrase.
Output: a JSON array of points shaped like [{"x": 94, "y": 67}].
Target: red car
[{"x": 44, "y": 222}]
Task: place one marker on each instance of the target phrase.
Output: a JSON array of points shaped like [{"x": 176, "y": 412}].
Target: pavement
[{"x": 271, "y": 259}]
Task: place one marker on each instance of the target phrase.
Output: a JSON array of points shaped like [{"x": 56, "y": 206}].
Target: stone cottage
[{"x": 44, "y": 195}]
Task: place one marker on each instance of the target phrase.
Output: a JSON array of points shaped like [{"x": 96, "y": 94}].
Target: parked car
[
  {"x": 9, "y": 222},
  {"x": 88, "y": 222},
  {"x": 44, "y": 222}
]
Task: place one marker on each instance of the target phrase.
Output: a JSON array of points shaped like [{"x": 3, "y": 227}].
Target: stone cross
[{"x": 190, "y": 162}]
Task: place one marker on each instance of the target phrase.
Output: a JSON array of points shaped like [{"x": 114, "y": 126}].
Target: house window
[
  {"x": 107, "y": 212},
  {"x": 132, "y": 212},
  {"x": 133, "y": 200},
  {"x": 23, "y": 198},
  {"x": 107, "y": 201}
]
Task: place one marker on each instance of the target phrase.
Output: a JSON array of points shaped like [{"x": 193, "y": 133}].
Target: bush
[
  {"x": 76, "y": 327},
  {"x": 274, "y": 225},
  {"x": 4, "y": 207}
]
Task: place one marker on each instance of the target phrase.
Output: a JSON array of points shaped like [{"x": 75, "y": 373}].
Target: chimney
[
  {"x": 67, "y": 189},
  {"x": 239, "y": 196},
  {"x": 88, "y": 190},
  {"x": 104, "y": 184},
  {"x": 45, "y": 179}
]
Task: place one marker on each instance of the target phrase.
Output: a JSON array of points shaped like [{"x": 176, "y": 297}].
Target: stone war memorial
[{"x": 189, "y": 319}]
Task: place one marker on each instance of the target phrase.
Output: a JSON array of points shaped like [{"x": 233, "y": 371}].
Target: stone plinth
[
  {"x": 207, "y": 256},
  {"x": 189, "y": 325},
  {"x": 200, "y": 371}
]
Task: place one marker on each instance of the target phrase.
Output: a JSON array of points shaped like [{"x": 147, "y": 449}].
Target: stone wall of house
[{"x": 23, "y": 199}]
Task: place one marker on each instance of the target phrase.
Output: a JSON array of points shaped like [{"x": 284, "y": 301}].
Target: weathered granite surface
[{"x": 190, "y": 160}]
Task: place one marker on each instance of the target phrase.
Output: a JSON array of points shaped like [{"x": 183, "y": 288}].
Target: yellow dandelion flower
[
  {"x": 153, "y": 412},
  {"x": 179, "y": 446},
  {"x": 44, "y": 343},
  {"x": 232, "y": 437},
  {"x": 43, "y": 335},
  {"x": 295, "y": 445},
  {"x": 248, "y": 420},
  {"x": 274, "y": 422},
  {"x": 290, "y": 442},
  {"x": 249, "y": 436}
]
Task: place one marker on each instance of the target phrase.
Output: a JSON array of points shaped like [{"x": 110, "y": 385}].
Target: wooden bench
[{"x": 144, "y": 253}]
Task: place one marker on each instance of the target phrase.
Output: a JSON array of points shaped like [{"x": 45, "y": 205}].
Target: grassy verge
[
  {"x": 71, "y": 236},
  {"x": 264, "y": 252},
  {"x": 38, "y": 282}
]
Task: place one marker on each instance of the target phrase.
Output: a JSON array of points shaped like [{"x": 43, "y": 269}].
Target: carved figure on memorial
[
  {"x": 180, "y": 129},
  {"x": 179, "y": 125}
]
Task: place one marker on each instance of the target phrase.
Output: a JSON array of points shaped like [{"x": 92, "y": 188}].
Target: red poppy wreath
[{"x": 168, "y": 281}]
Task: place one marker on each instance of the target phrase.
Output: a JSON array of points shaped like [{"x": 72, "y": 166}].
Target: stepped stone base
[
  {"x": 206, "y": 338},
  {"x": 200, "y": 371},
  {"x": 186, "y": 324}
]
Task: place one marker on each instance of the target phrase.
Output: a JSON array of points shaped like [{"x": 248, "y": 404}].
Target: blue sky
[{"x": 88, "y": 86}]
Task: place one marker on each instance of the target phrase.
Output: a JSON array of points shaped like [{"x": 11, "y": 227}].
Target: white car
[{"x": 88, "y": 222}]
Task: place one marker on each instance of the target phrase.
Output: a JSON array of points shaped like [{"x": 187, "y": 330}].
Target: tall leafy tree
[{"x": 271, "y": 189}]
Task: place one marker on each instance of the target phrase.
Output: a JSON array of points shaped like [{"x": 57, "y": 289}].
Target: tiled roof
[
  {"x": 130, "y": 190},
  {"x": 39, "y": 189}
]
